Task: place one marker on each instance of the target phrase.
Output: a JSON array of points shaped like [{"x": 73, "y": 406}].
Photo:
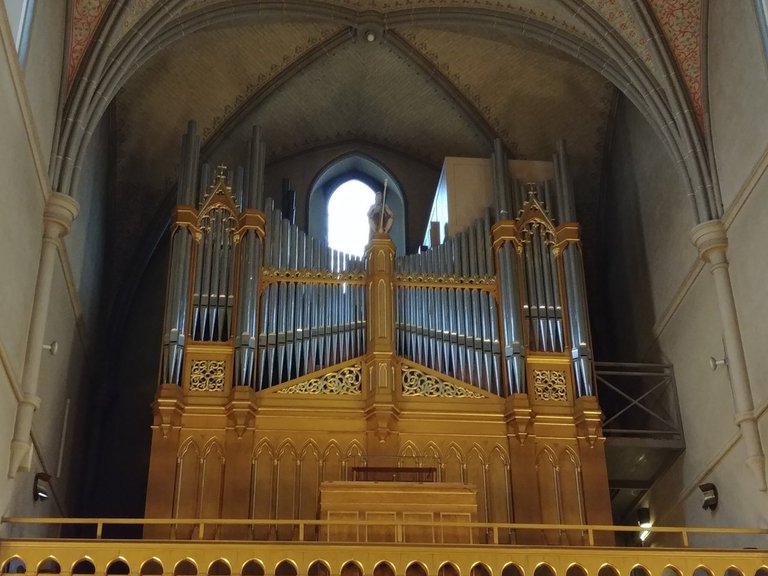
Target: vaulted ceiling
[{"x": 423, "y": 78}]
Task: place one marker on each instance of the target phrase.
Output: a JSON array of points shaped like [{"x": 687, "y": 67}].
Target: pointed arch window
[{"x": 357, "y": 178}]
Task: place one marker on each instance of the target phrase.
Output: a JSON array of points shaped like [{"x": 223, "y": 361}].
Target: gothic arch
[
  {"x": 355, "y": 166},
  {"x": 664, "y": 102}
]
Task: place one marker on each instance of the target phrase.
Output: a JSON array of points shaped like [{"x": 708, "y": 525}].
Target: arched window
[
  {"x": 354, "y": 170},
  {"x": 348, "y": 228}
]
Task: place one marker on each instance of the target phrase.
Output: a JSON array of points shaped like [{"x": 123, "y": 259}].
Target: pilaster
[
  {"x": 60, "y": 212},
  {"x": 711, "y": 241}
]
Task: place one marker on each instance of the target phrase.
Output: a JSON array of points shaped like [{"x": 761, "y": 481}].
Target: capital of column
[
  {"x": 60, "y": 212},
  {"x": 711, "y": 240}
]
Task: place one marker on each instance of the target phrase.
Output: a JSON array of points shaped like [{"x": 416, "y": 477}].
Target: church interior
[{"x": 544, "y": 358}]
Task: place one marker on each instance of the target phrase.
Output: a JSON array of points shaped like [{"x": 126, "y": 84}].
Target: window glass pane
[
  {"x": 20, "y": 18},
  {"x": 348, "y": 206}
]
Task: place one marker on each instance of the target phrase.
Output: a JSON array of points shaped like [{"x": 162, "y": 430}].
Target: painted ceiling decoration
[
  {"x": 85, "y": 16},
  {"x": 681, "y": 22}
]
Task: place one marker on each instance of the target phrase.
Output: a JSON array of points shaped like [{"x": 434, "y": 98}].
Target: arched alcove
[
  {"x": 219, "y": 568},
  {"x": 607, "y": 570},
  {"x": 118, "y": 567},
  {"x": 639, "y": 571},
  {"x": 49, "y": 566},
  {"x": 319, "y": 568},
  {"x": 575, "y": 570},
  {"x": 448, "y": 569},
  {"x": 286, "y": 568},
  {"x": 185, "y": 568},
  {"x": 371, "y": 173},
  {"x": 512, "y": 570},
  {"x": 416, "y": 569},
  {"x": 252, "y": 568},
  {"x": 151, "y": 567},
  {"x": 351, "y": 569},
  {"x": 384, "y": 569},
  {"x": 14, "y": 565},
  {"x": 480, "y": 569},
  {"x": 543, "y": 570},
  {"x": 84, "y": 566}
]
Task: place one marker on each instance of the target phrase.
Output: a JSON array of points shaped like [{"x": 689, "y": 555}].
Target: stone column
[
  {"x": 60, "y": 211},
  {"x": 712, "y": 242}
]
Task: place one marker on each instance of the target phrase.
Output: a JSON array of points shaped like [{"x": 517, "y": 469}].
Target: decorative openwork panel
[
  {"x": 550, "y": 385},
  {"x": 346, "y": 381},
  {"x": 418, "y": 383},
  {"x": 550, "y": 380},
  {"x": 207, "y": 376}
]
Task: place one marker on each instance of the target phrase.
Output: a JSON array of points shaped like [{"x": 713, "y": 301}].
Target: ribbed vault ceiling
[{"x": 425, "y": 92}]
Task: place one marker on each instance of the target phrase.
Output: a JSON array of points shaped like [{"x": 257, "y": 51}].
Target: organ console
[{"x": 288, "y": 368}]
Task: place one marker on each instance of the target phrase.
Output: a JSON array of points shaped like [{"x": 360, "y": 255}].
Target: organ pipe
[
  {"x": 475, "y": 307},
  {"x": 500, "y": 173},
  {"x": 175, "y": 325},
  {"x": 573, "y": 265},
  {"x": 174, "y": 333}
]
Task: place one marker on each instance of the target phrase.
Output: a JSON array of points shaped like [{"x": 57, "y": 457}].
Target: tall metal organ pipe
[
  {"x": 247, "y": 309},
  {"x": 512, "y": 346},
  {"x": 181, "y": 250},
  {"x": 254, "y": 189},
  {"x": 573, "y": 264}
]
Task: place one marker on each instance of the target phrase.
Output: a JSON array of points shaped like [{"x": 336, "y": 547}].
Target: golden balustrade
[{"x": 495, "y": 559}]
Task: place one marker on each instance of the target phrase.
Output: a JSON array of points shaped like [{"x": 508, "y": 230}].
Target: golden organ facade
[{"x": 453, "y": 386}]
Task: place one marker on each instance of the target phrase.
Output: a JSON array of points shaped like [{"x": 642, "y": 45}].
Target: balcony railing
[
  {"x": 639, "y": 400},
  {"x": 479, "y": 555}
]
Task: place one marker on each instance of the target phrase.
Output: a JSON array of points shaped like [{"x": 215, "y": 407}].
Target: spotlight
[
  {"x": 709, "y": 494},
  {"x": 41, "y": 489}
]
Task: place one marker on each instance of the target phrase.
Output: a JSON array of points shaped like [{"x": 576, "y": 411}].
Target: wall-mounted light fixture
[
  {"x": 41, "y": 488},
  {"x": 709, "y": 495},
  {"x": 644, "y": 521}
]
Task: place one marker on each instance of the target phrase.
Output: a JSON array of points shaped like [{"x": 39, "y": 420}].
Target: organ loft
[{"x": 427, "y": 390}]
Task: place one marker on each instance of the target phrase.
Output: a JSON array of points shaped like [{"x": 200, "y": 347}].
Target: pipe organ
[{"x": 287, "y": 365}]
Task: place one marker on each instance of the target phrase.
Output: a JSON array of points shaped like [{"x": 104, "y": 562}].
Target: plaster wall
[
  {"x": 650, "y": 227},
  {"x": 28, "y": 108},
  {"x": 738, "y": 90},
  {"x": 43, "y": 69}
]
